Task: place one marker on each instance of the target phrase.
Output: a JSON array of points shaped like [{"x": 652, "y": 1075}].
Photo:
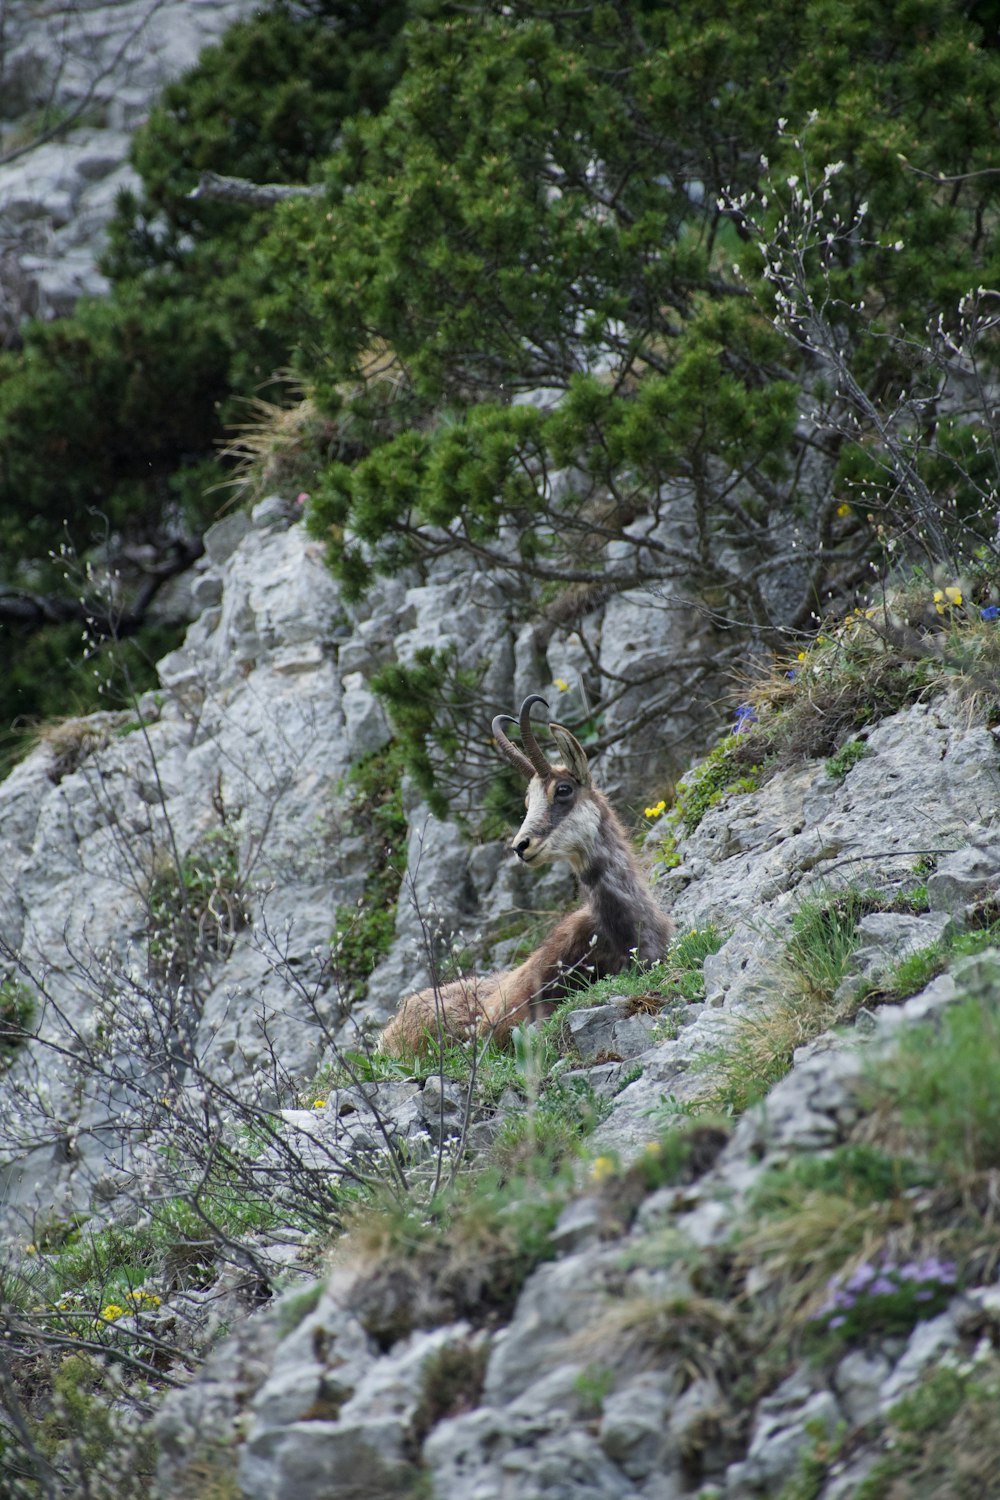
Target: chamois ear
[{"x": 573, "y": 754}]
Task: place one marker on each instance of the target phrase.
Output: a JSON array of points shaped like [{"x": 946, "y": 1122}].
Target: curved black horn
[
  {"x": 538, "y": 762},
  {"x": 509, "y": 750}
]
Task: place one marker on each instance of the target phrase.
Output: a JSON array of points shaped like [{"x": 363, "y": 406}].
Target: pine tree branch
[{"x": 218, "y": 189}]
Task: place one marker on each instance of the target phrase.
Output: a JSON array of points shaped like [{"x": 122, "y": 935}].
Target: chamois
[{"x": 619, "y": 922}]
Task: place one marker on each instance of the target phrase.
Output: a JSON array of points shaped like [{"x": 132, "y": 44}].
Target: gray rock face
[
  {"x": 106, "y": 63},
  {"x": 885, "y": 938},
  {"x": 242, "y": 757},
  {"x": 964, "y": 876},
  {"x": 605, "y": 1029},
  {"x": 754, "y": 858},
  {"x": 786, "y": 1428},
  {"x": 635, "y": 1424}
]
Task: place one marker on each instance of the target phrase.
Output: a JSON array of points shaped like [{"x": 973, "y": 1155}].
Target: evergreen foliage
[
  {"x": 557, "y": 199},
  {"x": 733, "y": 255},
  {"x": 110, "y": 419}
]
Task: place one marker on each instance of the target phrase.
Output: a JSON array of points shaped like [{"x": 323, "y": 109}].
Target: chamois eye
[{"x": 564, "y": 789}]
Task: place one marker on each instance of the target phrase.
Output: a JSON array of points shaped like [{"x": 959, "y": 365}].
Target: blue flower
[
  {"x": 861, "y": 1277},
  {"x": 746, "y": 716},
  {"x": 991, "y": 612}
]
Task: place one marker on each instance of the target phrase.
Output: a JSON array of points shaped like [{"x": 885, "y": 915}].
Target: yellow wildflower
[
  {"x": 111, "y": 1312},
  {"x": 319, "y": 1104},
  {"x": 951, "y": 597},
  {"x": 561, "y": 684},
  {"x": 140, "y": 1298},
  {"x": 653, "y": 1148},
  {"x": 604, "y": 1167},
  {"x": 656, "y": 809},
  {"x": 843, "y": 510}
]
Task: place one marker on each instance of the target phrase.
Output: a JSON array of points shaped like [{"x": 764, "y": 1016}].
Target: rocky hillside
[
  {"x": 546, "y": 356},
  {"x": 722, "y": 1228}
]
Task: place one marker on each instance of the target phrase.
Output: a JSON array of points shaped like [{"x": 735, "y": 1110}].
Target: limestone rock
[
  {"x": 56, "y": 200},
  {"x": 784, "y": 1430}
]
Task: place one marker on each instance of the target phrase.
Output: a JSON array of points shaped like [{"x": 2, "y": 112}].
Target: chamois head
[{"x": 564, "y": 812}]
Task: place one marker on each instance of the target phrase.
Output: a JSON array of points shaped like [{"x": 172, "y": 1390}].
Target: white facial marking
[
  {"x": 576, "y": 835},
  {"x": 536, "y": 819},
  {"x": 572, "y": 839}
]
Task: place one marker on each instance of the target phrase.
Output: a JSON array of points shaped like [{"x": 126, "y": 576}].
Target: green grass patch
[
  {"x": 846, "y": 759},
  {"x": 857, "y": 1171},
  {"x": 943, "y": 1083},
  {"x": 914, "y": 972},
  {"x": 823, "y": 941},
  {"x": 677, "y": 980},
  {"x": 814, "y": 961},
  {"x": 725, "y": 771},
  {"x": 854, "y": 673},
  {"x": 942, "y": 1439},
  {"x": 466, "y": 1251}
]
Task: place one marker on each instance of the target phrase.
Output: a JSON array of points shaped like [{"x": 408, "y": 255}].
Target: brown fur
[{"x": 619, "y": 923}]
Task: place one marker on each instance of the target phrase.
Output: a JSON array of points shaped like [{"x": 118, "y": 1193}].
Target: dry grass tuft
[
  {"x": 788, "y": 1259},
  {"x": 280, "y": 448},
  {"x": 72, "y": 741},
  {"x": 698, "y": 1337},
  {"x": 870, "y": 664},
  {"x": 283, "y": 446}
]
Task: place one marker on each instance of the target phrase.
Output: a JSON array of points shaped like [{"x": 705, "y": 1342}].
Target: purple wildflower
[
  {"x": 937, "y": 1270},
  {"x": 885, "y": 1294},
  {"x": 746, "y": 716}
]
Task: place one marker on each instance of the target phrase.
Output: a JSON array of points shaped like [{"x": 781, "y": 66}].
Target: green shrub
[
  {"x": 53, "y": 673},
  {"x": 110, "y": 418},
  {"x": 194, "y": 906},
  {"x": 364, "y": 934},
  {"x": 941, "y": 1439},
  {"x": 82, "y": 1434},
  {"x": 99, "y": 413},
  {"x": 846, "y": 759},
  {"x": 17, "y": 1010}
]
